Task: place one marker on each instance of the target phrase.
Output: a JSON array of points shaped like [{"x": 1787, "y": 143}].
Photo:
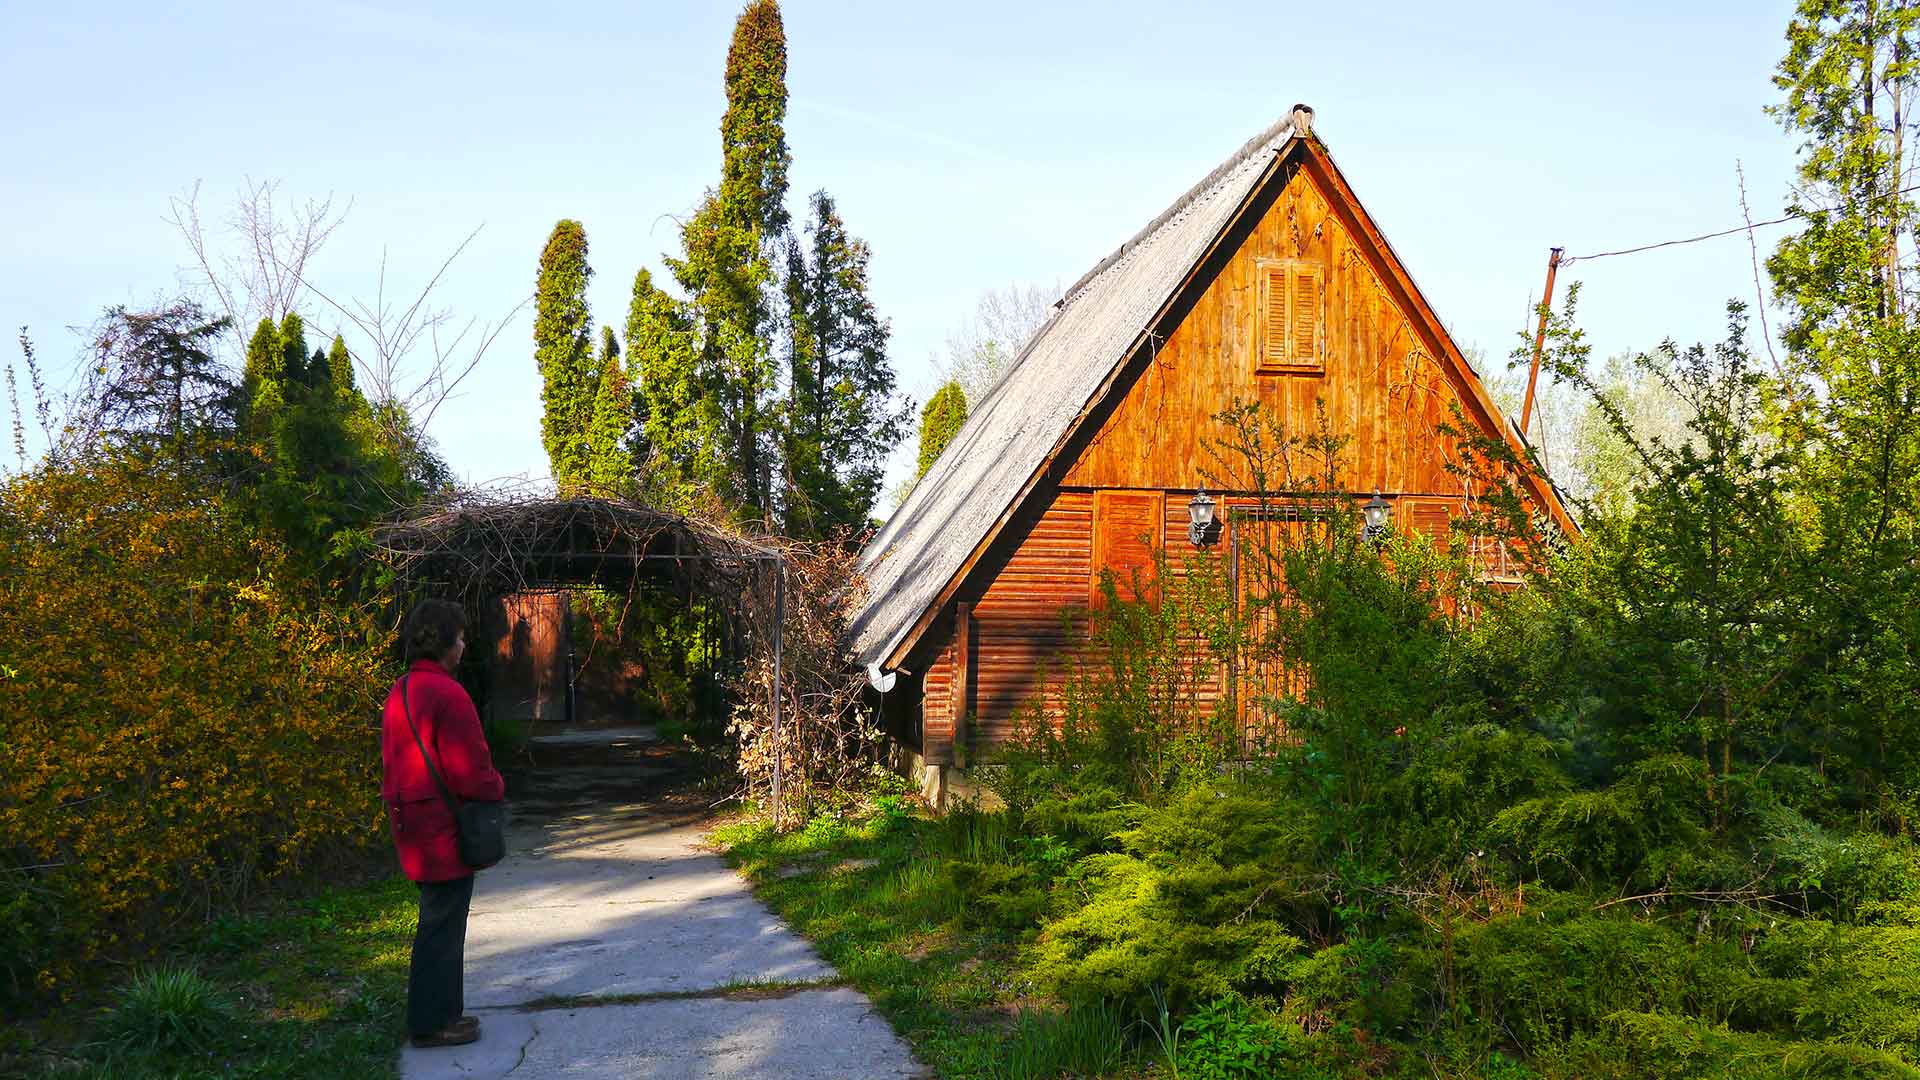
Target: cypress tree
[
  {"x": 293, "y": 350},
  {"x": 263, "y": 381},
  {"x": 340, "y": 373},
  {"x": 678, "y": 420},
  {"x": 608, "y": 465},
  {"x": 639, "y": 448},
  {"x": 940, "y": 421},
  {"x": 727, "y": 269},
  {"x": 753, "y": 139},
  {"x": 563, "y": 351},
  {"x": 842, "y": 420}
]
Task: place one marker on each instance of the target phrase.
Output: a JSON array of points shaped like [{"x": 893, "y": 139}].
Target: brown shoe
[
  {"x": 466, "y": 1022},
  {"x": 454, "y": 1034}
]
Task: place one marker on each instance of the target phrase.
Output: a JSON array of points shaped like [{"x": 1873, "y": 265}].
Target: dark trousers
[{"x": 436, "y": 993}]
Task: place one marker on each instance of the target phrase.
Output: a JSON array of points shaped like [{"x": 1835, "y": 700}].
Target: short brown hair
[{"x": 431, "y": 629}]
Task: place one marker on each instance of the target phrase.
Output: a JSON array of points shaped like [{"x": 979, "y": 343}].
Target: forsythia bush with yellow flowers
[{"x": 181, "y": 717}]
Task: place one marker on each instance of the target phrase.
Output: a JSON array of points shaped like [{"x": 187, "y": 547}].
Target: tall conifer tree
[
  {"x": 728, "y": 268},
  {"x": 157, "y": 379},
  {"x": 340, "y": 373},
  {"x": 609, "y": 464},
  {"x": 753, "y": 137},
  {"x": 940, "y": 421},
  {"x": 639, "y": 449},
  {"x": 563, "y": 351},
  {"x": 842, "y": 419},
  {"x": 263, "y": 381},
  {"x": 293, "y": 350},
  {"x": 679, "y": 420},
  {"x": 709, "y": 409}
]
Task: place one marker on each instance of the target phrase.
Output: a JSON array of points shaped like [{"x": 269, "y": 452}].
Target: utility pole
[{"x": 1539, "y": 344}]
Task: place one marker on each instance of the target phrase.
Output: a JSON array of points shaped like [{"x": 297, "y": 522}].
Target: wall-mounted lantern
[
  {"x": 1376, "y": 512},
  {"x": 1200, "y": 519}
]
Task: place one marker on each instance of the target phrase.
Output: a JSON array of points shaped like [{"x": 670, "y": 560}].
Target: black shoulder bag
[{"x": 480, "y": 828}]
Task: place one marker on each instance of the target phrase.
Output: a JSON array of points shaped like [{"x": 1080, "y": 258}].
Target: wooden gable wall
[
  {"x": 1382, "y": 377},
  {"x": 1382, "y": 380}
]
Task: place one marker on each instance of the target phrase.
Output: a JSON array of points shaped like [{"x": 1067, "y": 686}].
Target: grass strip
[
  {"x": 878, "y": 900},
  {"x": 314, "y": 988}
]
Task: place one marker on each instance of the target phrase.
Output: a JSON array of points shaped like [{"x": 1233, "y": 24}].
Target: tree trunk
[{"x": 1894, "y": 90}]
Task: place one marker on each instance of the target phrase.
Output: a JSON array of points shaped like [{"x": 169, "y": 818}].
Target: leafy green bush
[
  {"x": 1843, "y": 869},
  {"x": 1189, "y": 904},
  {"x": 1546, "y": 979},
  {"x": 1442, "y": 806},
  {"x": 1230, "y": 1038},
  {"x": 1858, "y": 984}
]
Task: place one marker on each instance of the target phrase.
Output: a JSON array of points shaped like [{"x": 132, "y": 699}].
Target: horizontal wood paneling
[
  {"x": 1033, "y": 615},
  {"x": 1193, "y": 571},
  {"x": 1027, "y": 622}
]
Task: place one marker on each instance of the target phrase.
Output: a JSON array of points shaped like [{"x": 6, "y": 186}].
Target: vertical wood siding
[{"x": 1381, "y": 384}]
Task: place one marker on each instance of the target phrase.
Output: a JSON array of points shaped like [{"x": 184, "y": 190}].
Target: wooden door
[{"x": 1126, "y": 533}]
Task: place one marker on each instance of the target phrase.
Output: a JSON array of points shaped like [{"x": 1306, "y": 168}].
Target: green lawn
[{"x": 314, "y": 987}]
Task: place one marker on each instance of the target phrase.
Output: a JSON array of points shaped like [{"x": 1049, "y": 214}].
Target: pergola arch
[{"x": 476, "y": 547}]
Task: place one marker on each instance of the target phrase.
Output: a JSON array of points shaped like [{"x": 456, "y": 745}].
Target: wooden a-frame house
[{"x": 1267, "y": 281}]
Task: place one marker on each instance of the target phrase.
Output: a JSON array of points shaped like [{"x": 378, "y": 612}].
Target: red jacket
[{"x": 421, "y": 822}]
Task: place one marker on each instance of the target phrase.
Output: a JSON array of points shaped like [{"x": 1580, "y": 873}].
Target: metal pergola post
[{"x": 779, "y": 633}]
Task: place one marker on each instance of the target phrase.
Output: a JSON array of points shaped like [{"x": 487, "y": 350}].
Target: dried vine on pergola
[{"x": 476, "y": 546}]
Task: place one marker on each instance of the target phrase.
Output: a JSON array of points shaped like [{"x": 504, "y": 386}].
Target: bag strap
[{"x": 406, "y": 708}]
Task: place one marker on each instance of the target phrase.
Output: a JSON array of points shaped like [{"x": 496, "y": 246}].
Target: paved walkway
[{"x": 610, "y": 943}]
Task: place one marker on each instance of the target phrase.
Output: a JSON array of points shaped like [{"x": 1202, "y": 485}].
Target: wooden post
[
  {"x": 1539, "y": 342},
  {"x": 962, "y": 631}
]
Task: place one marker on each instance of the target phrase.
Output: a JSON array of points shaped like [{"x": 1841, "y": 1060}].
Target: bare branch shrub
[
  {"x": 266, "y": 271},
  {"x": 983, "y": 346},
  {"x": 42, "y": 406},
  {"x": 391, "y": 331},
  {"x": 826, "y": 742},
  {"x": 265, "y": 278}
]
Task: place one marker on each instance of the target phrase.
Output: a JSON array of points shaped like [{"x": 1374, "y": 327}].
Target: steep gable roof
[
  {"x": 1010, "y": 434},
  {"x": 996, "y": 458}
]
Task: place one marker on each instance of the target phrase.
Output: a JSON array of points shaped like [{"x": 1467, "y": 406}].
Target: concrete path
[{"x": 610, "y": 943}]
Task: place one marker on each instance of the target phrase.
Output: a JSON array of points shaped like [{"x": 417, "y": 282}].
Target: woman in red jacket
[{"x": 433, "y": 638}]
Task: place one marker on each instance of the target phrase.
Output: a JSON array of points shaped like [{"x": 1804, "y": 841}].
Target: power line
[{"x": 1716, "y": 235}]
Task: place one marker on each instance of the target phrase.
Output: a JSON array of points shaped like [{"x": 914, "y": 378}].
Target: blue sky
[{"x": 974, "y": 146}]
